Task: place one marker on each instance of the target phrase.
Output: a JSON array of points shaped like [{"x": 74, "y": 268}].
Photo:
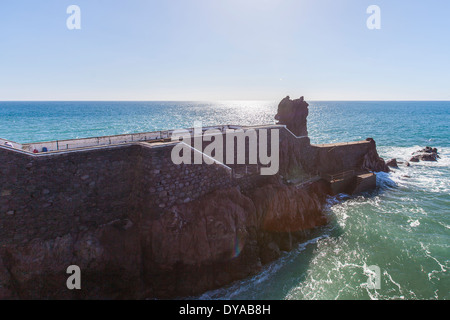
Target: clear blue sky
[{"x": 224, "y": 50}]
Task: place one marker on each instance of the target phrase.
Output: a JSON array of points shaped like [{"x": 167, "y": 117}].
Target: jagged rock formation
[
  {"x": 372, "y": 161},
  {"x": 392, "y": 163},
  {"x": 426, "y": 154},
  {"x": 293, "y": 114}
]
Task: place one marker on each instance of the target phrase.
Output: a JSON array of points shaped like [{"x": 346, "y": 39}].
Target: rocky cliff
[
  {"x": 185, "y": 250},
  {"x": 372, "y": 161},
  {"x": 140, "y": 226}
]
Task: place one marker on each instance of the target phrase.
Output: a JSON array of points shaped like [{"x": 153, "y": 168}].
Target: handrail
[
  {"x": 71, "y": 144},
  {"x": 339, "y": 144},
  {"x": 10, "y": 144},
  {"x": 63, "y": 145}
]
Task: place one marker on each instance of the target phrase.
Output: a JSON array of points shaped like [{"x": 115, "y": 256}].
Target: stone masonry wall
[
  {"x": 46, "y": 197},
  {"x": 163, "y": 184},
  {"x": 50, "y": 195}
]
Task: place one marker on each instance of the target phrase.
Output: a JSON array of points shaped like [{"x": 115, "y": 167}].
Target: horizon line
[{"x": 219, "y": 100}]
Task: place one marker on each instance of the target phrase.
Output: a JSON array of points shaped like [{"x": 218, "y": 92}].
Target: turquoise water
[{"x": 402, "y": 227}]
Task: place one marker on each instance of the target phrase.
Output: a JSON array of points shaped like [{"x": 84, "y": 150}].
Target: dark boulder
[
  {"x": 427, "y": 150},
  {"x": 392, "y": 163},
  {"x": 426, "y": 154},
  {"x": 424, "y": 157}
]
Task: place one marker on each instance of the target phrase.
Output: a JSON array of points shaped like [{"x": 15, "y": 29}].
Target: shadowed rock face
[
  {"x": 188, "y": 249},
  {"x": 392, "y": 163},
  {"x": 293, "y": 114},
  {"x": 372, "y": 161}
]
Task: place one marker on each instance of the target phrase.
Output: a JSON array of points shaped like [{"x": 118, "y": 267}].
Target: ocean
[{"x": 402, "y": 227}]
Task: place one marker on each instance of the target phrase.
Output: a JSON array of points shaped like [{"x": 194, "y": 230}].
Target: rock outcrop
[
  {"x": 293, "y": 114},
  {"x": 109, "y": 258},
  {"x": 392, "y": 163},
  {"x": 372, "y": 161},
  {"x": 186, "y": 250},
  {"x": 426, "y": 154}
]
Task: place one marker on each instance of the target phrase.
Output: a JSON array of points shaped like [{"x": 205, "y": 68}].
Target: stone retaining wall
[{"x": 49, "y": 195}]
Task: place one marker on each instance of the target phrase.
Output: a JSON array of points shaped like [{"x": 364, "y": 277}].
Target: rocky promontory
[{"x": 140, "y": 226}]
